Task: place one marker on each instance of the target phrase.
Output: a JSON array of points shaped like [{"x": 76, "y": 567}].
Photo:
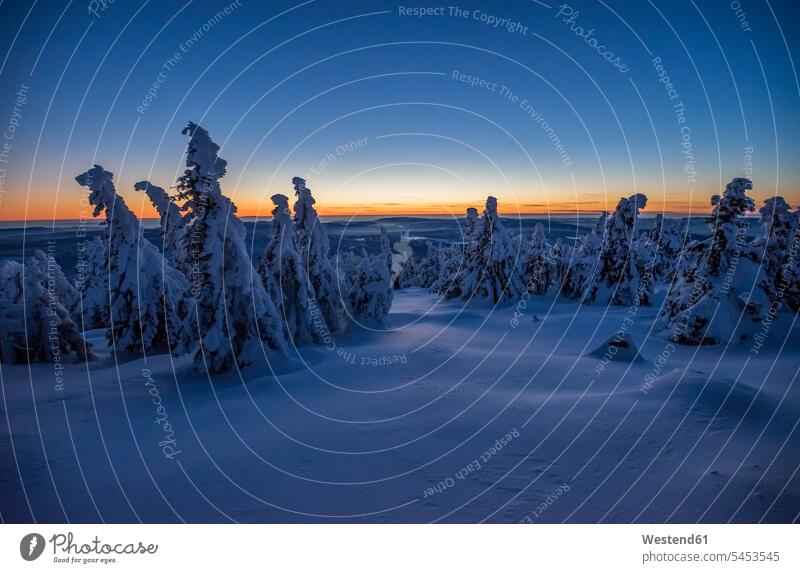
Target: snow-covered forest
[{"x": 199, "y": 291}]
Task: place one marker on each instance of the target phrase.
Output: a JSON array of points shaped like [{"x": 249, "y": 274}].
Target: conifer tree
[
  {"x": 709, "y": 281},
  {"x": 172, "y": 223},
  {"x": 582, "y": 265},
  {"x": 91, "y": 310},
  {"x": 451, "y": 262},
  {"x": 314, "y": 245},
  {"x": 429, "y": 266},
  {"x": 621, "y": 278},
  {"x": 147, "y": 297},
  {"x": 491, "y": 261},
  {"x": 538, "y": 266},
  {"x": 36, "y": 326},
  {"x": 370, "y": 292},
  {"x": 285, "y": 278},
  {"x": 776, "y": 250},
  {"x": 234, "y": 318}
]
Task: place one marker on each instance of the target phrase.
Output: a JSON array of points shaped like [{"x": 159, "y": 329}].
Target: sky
[{"x": 393, "y": 108}]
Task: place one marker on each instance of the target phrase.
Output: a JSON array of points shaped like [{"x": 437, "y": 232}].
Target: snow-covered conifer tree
[
  {"x": 405, "y": 267},
  {"x": 490, "y": 261},
  {"x": 472, "y": 224},
  {"x": 709, "y": 282},
  {"x": 792, "y": 267},
  {"x": 409, "y": 274},
  {"x": 11, "y": 280},
  {"x": 581, "y": 267},
  {"x": 172, "y": 222},
  {"x": 455, "y": 264},
  {"x": 285, "y": 278},
  {"x": 370, "y": 292},
  {"x": 774, "y": 248},
  {"x": 538, "y": 265},
  {"x": 383, "y": 264},
  {"x": 451, "y": 261},
  {"x": 428, "y": 272},
  {"x": 312, "y": 240},
  {"x": 519, "y": 245},
  {"x": 386, "y": 247},
  {"x": 619, "y": 279},
  {"x": 560, "y": 256},
  {"x": 14, "y": 343},
  {"x": 147, "y": 297},
  {"x": 778, "y": 227},
  {"x": 662, "y": 249},
  {"x": 234, "y": 316},
  {"x": 64, "y": 290},
  {"x": 92, "y": 309},
  {"x": 36, "y": 326},
  {"x": 345, "y": 264}
]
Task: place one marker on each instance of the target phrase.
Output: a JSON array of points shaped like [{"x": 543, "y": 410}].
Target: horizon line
[{"x": 384, "y": 215}]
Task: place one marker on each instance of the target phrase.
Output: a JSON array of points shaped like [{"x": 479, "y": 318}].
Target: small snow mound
[
  {"x": 713, "y": 396},
  {"x": 618, "y": 348}
]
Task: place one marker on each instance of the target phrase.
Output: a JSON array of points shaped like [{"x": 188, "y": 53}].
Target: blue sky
[{"x": 375, "y": 106}]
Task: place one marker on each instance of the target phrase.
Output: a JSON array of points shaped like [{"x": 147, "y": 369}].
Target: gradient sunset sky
[{"x": 374, "y": 105}]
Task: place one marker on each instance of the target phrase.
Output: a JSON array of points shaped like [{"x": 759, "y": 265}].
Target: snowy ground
[{"x": 453, "y": 414}]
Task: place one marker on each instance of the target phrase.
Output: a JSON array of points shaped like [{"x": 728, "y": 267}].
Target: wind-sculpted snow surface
[{"x": 449, "y": 415}]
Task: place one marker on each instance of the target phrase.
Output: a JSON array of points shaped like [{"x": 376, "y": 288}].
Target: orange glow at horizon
[
  {"x": 70, "y": 204},
  {"x": 45, "y": 212}
]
